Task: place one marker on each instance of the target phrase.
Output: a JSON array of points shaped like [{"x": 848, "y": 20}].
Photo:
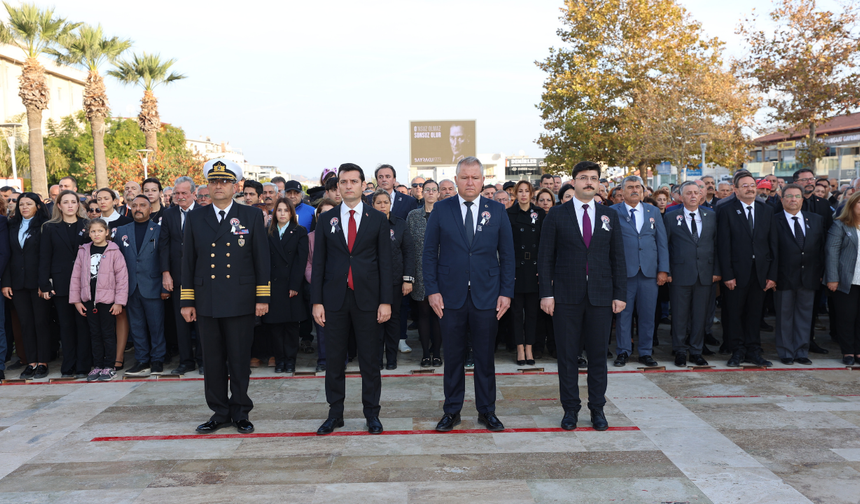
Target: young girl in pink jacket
[{"x": 99, "y": 290}]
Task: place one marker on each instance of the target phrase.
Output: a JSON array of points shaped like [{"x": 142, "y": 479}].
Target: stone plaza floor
[{"x": 789, "y": 434}]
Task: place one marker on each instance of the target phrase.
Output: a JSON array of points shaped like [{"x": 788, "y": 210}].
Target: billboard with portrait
[{"x": 440, "y": 143}]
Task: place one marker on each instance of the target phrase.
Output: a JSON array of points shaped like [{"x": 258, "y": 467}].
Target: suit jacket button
[
  {"x": 213, "y": 255},
  {"x": 228, "y": 276},
  {"x": 213, "y": 277},
  {"x": 213, "y": 266},
  {"x": 228, "y": 254},
  {"x": 228, "y": 244},
  {"x": 213, "y": 244},
  {"x": 228, "y": 265}
]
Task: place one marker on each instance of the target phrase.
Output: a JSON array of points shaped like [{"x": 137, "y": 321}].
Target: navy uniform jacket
[
  {"x": 225, "y": 266},
  {"x": 144, "y": 271},
  {"x": 450, "y": 264}
]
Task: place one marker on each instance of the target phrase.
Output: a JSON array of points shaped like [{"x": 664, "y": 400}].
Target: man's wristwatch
[{"x": 408, "y": 279}]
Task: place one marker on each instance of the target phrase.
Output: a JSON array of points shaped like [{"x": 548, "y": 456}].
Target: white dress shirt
[
  {"x": 790, "y": 219},
  {"x": 391, "y": 199},
  {"x": 689, "y": 220},
  {"x": 218, "y": 211},
  {"x": 639, "y": 215},
  {"x": 577, "y": 204},
  {"x": 182, "y": 215},
  {"x": 344, "y": 218},
  {"x": 475, "y": 213},
  {"x": 747, "y": 212}
]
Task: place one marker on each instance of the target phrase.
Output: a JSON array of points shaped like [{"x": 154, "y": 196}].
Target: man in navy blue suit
[{"x": 468, "y": 268}]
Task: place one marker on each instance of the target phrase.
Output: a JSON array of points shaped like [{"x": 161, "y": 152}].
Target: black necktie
[
  {"x": 798, "y": 232},
  {"x": 182, "y": 219},
  {"x": 223, "y": 214},
  {"x": 694, "y": 227},
  {"x": 750, "y": 219},
  {"x": 470, "y": 226}
]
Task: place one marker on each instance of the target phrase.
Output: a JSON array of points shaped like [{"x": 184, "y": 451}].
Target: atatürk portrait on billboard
[{"x": 460, "y": 147}]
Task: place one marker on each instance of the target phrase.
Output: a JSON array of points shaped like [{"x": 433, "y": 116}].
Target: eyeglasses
[
  {"x": 747, "y": 186},
  {"x": 793, "y": 196},
  {"x": 431, "y": 190},
  {"x": 807, "y": 179},
  {"x": 202, "y": 195},
  {"x": 586, "y": 178},
  {"x": 414, "y": 186}
]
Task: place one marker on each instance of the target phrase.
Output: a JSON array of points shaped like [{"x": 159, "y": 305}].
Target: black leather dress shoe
[
  {"x": 181, "y": 370},
  {"x": 290, "y": 367},
  {"x": 279, "y": 367},
  {"x": 787, "y": 362},
  {"x": 329, "y": 426},
  {"x": 448, "y": 422},
  {"x": 698, "y": 360},
  {"x": 490, "y": 421},
  {"x": 244, "y": 426},
  {"x": 735, "y": 360},
  {"x": 815, "y": 348},
  {"x": 200, "y": 370},
  {"x": 648, "y": 361},
  {"x": 374, "y": 426},
  {"x": 848, "y": 360},
  {"x": 598, "y": 420},
  {"x": 581, "y": 363},
  {"x": 681, "y": 359},
  {"x": 320, "y": 368},
  {"x": 391, "y": 366},
  {"x": 758, "y": 360},
  {"x": 621, "y": 360},
  {"x": 569, "y": 420},
  {"x": 212, "y": 426},
  {"x": 803, "y": 360}
]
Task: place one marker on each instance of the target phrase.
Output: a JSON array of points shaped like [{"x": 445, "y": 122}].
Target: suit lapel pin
[
  {"x": 605, "y": 220},
  {"x": 680, "y": 219},
  {"x": 738, "y": 211}
]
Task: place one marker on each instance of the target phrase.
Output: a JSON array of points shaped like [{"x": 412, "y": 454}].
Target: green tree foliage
[{"x": 614, "y": 51}]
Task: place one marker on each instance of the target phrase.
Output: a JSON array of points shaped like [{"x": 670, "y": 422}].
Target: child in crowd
[{"x": 99, "y": 290}]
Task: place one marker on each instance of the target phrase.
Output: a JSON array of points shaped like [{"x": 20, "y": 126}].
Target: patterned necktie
[
  {"x": 350, "y": 241},
  {"x": 750, "y": 218},
  {"x": 469, "y": 223},
  {"x": 586, "y": 232},
  {"x": 694, "y": 227},
  {"x": 798, "y": 232}
]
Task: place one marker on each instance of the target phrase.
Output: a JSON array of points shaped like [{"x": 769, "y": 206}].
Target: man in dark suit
[
  {"x": 647, "y": 261},
  {"x": 692, "y": 236},
  {"x": 583, "y": 275},
  {"x": 800, "y": 243},
  {"x": 468, "y": 266},
  {"x": 747, "y": 255},
  {"x": 138, "y": 243},
  {"x": 225, "y": 284},
  {"x": 351, "y": 288},
  {"x": 709, "y": 197},
  {"x": 170, "y": 254}
]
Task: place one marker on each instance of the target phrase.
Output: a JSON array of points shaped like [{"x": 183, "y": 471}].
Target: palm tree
[
  {"x": 89, "y": 48},
  {"x": 34, "y": 30},
  {"x": 148, "y": 72}
]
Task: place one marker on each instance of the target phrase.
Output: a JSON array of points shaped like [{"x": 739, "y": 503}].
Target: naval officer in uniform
[{"x": 225, "y": 284}]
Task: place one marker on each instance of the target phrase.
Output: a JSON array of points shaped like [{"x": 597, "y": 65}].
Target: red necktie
[
  {"x": 586, "y": 232},
  {"x": 350, "y": 241}
]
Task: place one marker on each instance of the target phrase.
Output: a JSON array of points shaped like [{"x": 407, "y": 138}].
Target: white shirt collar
[
  {"x": 475, "y": 201},
  {"x": 579, "y": 203},
  {"x": 190, "y": 208},
  {"x": 638, "y": 208},
  {"x": 789, "y": 217},
  {"x": 218, "y": 210}
]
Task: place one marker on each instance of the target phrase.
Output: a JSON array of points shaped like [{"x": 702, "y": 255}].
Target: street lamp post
[
  {"x": 10, "y": 139},
  {"x": 143, "y": 154}
]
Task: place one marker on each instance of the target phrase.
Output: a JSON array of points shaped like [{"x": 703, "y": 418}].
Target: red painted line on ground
[
  {"x": 343, "y": 433},
  {"x": 436, "y": 375}
]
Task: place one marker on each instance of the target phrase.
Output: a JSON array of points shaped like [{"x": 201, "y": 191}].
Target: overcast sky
[{"x": 308, "y": 85}]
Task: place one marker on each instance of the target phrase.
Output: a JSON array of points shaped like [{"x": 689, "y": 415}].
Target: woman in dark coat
[
  {"x": 61, "y": 237},
  {"x": 526, "y": 220},
  {"x": 288, "y": 251},
  {"x": 401, "y": 253},
  {"x": 21, "y": 283},
  {"x": 429, "y": 331}
]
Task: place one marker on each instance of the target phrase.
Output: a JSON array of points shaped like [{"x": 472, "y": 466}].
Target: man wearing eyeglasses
[
  {"x": 203, "y": 198},
  {"x": 747, "y": 254}
]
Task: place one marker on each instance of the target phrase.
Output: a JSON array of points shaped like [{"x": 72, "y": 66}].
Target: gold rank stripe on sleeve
[
  {"x": 187, "y": 295},
  {"x": 264, "y": 290}
]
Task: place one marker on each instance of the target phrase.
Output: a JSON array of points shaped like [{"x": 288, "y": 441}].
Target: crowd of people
[{"x": 238, "y": 274}]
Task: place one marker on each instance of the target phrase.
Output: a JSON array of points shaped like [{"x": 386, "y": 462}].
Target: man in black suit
[
  {"x": 583, "y": 275},
  {"x": 351, "y": 288},
  {"x": 692, "y": 233},
  {"x": 747, "y": 255},
  {"x": 225, "y": 284},
  {"x": 170, "y": 253},
  {"x": 800, "y": 243}
]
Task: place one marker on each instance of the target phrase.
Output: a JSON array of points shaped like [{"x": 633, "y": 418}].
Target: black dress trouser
[
  {"x": 390, "y": 331},
  {"x": 75, "y": 337},
  {"x": 338, "y": 324},
  {"x": 35, "y": 316},
  {"x": 743, "y": 327},
  {"x": 580, "y": 327},
  {"x": 525, "y": 311},
  {"x": 285, "y": 341},
  {"x": 227, "y": 346}
]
